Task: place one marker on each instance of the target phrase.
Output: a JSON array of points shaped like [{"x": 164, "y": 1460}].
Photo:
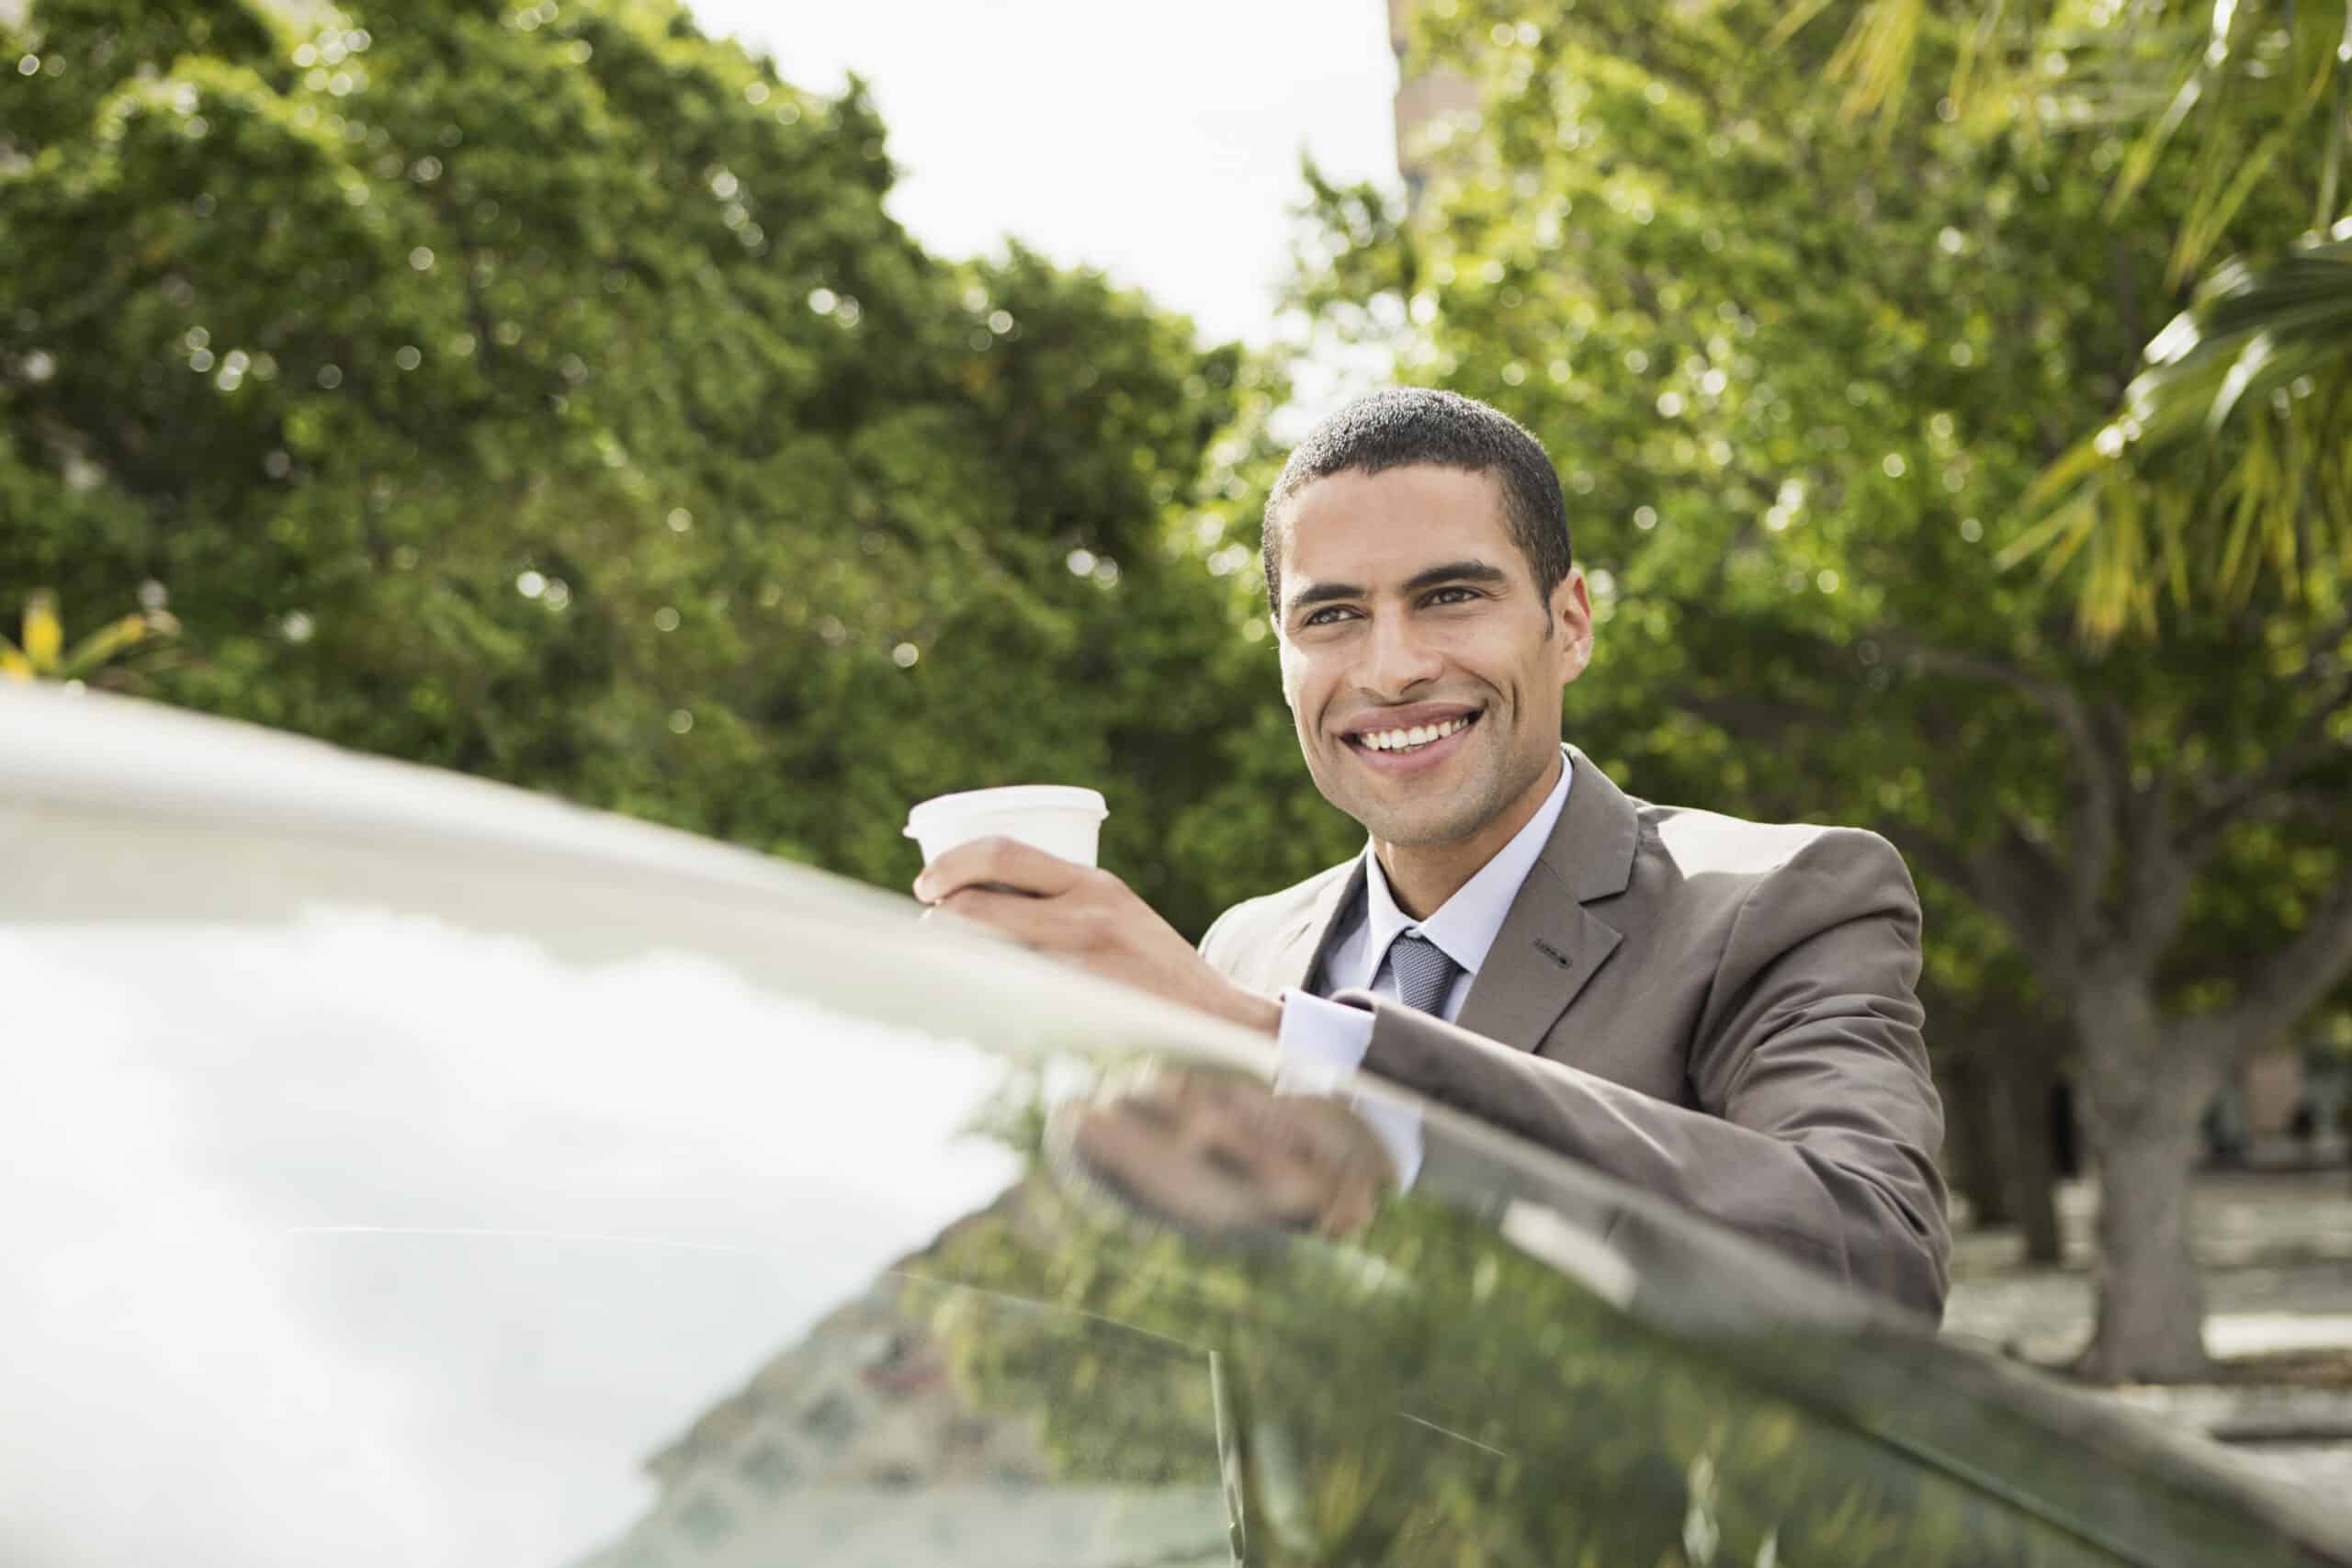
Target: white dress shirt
[{"x": 1319, "y": 1039}]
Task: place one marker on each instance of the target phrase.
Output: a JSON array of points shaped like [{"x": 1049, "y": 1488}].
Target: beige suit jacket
[{"x": 1714, "y": 1011}]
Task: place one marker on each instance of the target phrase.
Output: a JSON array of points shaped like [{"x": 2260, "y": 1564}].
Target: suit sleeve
[
  {"x": 1208, "y": 940},
  {"x": 1817, "y": 1122}
]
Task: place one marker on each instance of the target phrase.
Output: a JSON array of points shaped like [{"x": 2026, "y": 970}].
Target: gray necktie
[{"x": 1424, "y": 974}]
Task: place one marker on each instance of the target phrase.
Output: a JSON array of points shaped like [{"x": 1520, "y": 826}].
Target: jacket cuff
[{"x": 1321, "y": 1044}]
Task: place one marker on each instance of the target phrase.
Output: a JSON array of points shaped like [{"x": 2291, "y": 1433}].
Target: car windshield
[{"x": 507, "y": 1224}]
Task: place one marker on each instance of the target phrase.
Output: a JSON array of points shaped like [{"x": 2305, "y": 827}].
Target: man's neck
[{"x": 1422, "y": 877}]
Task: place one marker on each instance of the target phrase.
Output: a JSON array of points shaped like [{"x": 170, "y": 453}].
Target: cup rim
[{"x": 1073, "y": 798}]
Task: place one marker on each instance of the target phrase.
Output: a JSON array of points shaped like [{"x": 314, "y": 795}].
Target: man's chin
[
  {"x": 1415, "y": 829},
  {"x": 1413, "y": 813}
]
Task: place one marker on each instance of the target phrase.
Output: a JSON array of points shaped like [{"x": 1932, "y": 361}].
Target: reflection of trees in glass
[
  {"x": 1429, "y": 1394},
  {"x": 1072, "y": 1375},
  {"x": 1167, "y": 1439}
]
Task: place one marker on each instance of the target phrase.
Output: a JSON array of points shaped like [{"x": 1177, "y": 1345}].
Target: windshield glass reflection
[{"x": 489, "y": 1224}]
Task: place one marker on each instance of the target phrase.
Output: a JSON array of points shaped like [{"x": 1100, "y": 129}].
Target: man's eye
[
  {"x": 1322, "y": 617},
  {"x": 1452, "y": 596}
]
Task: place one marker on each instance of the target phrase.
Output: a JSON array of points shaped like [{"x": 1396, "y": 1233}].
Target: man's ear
[{"x": 1571, "y": 610}]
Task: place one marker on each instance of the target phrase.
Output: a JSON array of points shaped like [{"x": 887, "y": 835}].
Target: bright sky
[{"x": 1158, "y": 141}]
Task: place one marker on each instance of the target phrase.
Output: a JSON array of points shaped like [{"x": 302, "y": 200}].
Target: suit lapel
[
  {"x": 1299, "y": 949},
  {"x": 1551, "y": 945}
]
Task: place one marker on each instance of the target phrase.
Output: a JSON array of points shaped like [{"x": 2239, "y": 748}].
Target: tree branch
[
  {"x": 1759, "y": 720},
  {"x": 2308, "y": 747},
  {"x": 2160, "y": 883},
  {"x": 1942, "y": 858},
  {"x": 2283, "y": 987},
  {"x": 2009, "y": 879},
  {"x": 2100, "y": 760},
  {"x": 2108, "y": 797},
  {"x": 2022, "y": 864},
  {"x": 2127, "y": 309}
]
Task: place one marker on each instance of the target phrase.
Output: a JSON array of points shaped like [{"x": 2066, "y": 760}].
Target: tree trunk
[
  {"x": 2142, "y": 1096},
  {"x": 1973, "y": 1110},
  {"x": 2026, "y": 1079}
]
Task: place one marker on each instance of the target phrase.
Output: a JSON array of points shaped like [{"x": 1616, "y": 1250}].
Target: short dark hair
[{"x": 1406, "y": 425}]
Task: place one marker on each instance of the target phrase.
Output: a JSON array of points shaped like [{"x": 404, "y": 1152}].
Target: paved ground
[{"x": 2278, "y": 1251}]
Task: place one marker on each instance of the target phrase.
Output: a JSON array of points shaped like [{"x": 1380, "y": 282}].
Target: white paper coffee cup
[{"x": 1061, "y": 819}]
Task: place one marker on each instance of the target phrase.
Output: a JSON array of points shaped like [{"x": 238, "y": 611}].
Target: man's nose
[{"x": 1397, "y": 657}]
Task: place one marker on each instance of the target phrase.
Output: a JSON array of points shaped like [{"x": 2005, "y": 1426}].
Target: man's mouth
[{"x": 1405, "y": 739}]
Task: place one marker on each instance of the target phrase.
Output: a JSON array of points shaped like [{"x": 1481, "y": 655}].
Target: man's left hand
[{"x": 1088, "y": 917}]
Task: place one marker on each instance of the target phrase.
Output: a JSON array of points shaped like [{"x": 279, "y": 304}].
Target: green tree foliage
[
  {"x": 544, "y": 391},
  {"x": 1800, "y": 373},
  {"x": 2221, "y": 466}
]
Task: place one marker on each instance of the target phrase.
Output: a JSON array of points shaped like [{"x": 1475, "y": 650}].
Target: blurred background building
[{"x": 1424, "y": 97}]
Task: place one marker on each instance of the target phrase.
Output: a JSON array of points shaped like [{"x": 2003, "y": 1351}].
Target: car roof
[{"x": 84, "y": 774}]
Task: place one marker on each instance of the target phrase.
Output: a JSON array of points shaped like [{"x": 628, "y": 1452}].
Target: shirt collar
[{"x": 1466, "y": 926}]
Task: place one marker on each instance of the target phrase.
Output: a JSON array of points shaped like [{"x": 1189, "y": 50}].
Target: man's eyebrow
[
  {"x": 1428, "y": 577},
  {"x": 1456, "y": 571},
  {"x": 1324, "y": 594}
]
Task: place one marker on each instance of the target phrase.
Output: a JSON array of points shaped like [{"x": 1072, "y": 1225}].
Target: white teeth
[{"x": 1419, "y": 735}]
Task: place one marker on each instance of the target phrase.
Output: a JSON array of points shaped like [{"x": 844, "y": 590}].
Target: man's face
[{"x": 1414, "y": 650}]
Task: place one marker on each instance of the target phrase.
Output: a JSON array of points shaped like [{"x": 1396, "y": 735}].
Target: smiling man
[{"x": 1716, "y": 1011}]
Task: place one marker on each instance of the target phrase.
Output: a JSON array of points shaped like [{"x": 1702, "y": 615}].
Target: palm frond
[
  {"x": 2253, "y": 332},
  {"x": 41, "y": 655},
  {"x": 2141, "y": 161},
  {"x": 1794, "y": 21},
  {"x": 2243, "y": 420},
  {"x": 1875, "y": 61},
  {"x": 1975, "y": 44},
  {"x": 103, "y": 645}
]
